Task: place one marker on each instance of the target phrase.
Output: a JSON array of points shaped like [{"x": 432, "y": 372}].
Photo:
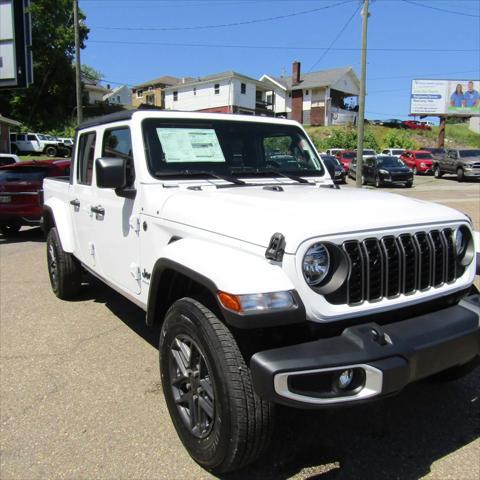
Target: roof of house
[
  {"x": 216, "y": 76},
  {"x": 165, "y": 80},
  {"x": 322, "y": 78}
]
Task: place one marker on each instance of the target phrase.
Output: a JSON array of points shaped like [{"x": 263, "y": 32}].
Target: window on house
[
  {"x": 150, "y": 99},
  {"x": 217, "y": 88},
  {"x": 194, "y": 90},
  {"x": 118, "y": 143},
  {"x": 175, "y": 95},
  {"x": 118, "y": 98},
  {"x": 289, "y": 94},
  {"x": 139, "y": 93},
  {"x": 306, "y": 92},
  {"x": 86, "y": 155},
  {"x": 243, "y": 88}
]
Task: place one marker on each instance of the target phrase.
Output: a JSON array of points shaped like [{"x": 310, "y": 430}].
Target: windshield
[
  {"x": 436, "y": 150},
  {"x": 349, "y": 155},
  {"x": 23, "y": 174},
  {"x": 469, "y": 153},
  {"x": 331, "y": 159},
  {"x": 369, "y": 152},
  {"x": 389, "y": 162},
  {"x": 424, "y": 156},
  {"x": 397, "y": 152},
  {"x": 225, "y": 147}
]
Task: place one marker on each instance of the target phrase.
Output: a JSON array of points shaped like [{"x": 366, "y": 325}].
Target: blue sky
[{"x": 127, "y": 55}]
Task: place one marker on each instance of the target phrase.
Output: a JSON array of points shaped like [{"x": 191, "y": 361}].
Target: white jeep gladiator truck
[{"x": 264, "y": 293}]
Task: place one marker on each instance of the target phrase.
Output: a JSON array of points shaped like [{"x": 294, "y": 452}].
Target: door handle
[
  {"x": 97, "y": 209},
  {"x": 75, "y": 203}
]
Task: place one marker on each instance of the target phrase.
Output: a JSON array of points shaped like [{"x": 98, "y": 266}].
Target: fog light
[{"x": 345, "y": 379}]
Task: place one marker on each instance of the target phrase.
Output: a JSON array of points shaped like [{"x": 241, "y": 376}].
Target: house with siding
[
  {"x": 226, "y": 92},
  {"x": 5, "y": 125},
  {"x": 153, "y": 91},
  {"x": 326, "y": 97}
]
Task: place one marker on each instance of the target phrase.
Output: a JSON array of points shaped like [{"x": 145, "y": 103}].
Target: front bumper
[{"x": 391, "y": 356}]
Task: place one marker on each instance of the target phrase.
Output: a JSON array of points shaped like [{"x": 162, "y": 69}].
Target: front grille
[{"x": 391, "y": 266}]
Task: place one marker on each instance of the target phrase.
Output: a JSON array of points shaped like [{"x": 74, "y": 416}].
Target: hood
[
  {"x": 299, "y": 212},
  {"x": 470, "y": 159}
]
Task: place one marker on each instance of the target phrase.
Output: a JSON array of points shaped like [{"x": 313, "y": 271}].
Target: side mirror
[{"x": 111, "y": 172}]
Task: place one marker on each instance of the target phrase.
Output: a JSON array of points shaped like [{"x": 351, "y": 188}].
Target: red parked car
[
  {"x": 416, "y": 125},
  {"x": 345, "y": 157},
  {"x": 21, "y": 192},
  {"x": 420, "y": 161}
]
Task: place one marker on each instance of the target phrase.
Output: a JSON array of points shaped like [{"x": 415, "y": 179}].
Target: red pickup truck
[
  {"x": 21, "y": 192},
  {"x": 420, "y": 161}
]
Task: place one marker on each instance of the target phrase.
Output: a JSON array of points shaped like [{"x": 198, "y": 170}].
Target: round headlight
[
  {"x": 316, "y": 264},
  {"x": 464, "y": 247}
]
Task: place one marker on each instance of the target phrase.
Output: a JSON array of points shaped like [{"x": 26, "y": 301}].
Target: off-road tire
[
  {"x": 241, "y": 425},
  {"x": 64, "y": 269},
  {"x": 460, "y": 175},
  {"x": 50, "y": 151},
  {"x": 10, "y": 228},
  {"x": 437, "y": 173}
]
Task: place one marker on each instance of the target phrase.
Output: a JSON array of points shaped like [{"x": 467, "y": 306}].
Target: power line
[
  {"x": 224, "y": 25},
  {"x": 445, "y": 10},
  {"x": 283, "y": 47},
  {"x": 325, "y": 53}
]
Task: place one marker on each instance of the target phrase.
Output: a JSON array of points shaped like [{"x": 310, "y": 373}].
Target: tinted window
[
  {"x": 86, "y": 155},
  {"x": 31, "y": 138},
  {"x": 469, "y": 153},
  {"x": 424, "y": 155},
  {"x": 349, "y": 155},
  {"x": 21, "y": 137},
  {"x": 23, "y": 174},
  {"x": 6, "y": 161},
  {"x": 118, "y": 143},
  {"x": 389, "y": 162}
]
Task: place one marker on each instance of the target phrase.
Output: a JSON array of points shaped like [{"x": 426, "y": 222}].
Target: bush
[{"x": 397, "y": 139}]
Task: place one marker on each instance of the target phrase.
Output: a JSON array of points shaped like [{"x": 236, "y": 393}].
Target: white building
[
  {"x": 118, "y": 96},
  {"x": 227, "y": 92},
  {"x": 327, "y": 97}
]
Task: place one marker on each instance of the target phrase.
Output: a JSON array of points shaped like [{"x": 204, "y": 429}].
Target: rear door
[{"x": 82, "y": 198}]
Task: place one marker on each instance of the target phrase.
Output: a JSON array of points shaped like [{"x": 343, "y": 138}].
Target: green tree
[
  {"x": 49, "y": 102},
  {"x": 90, "y": 73}
]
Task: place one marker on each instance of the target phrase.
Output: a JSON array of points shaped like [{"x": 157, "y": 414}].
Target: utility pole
[
  {"x": 78, "y": 79},
  {"x": 361, "y": 105}
]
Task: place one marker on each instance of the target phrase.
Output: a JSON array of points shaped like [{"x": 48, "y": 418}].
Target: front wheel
[
  {"x": 64, "y": 269},
  {"x": 364, "y": 180},
  {"x": 208, "y": 389},
  {"x": 437, "y": 173},
  {"x": 415, "y": 171},
  {"x": 378, "y": 182},
  {"x": 460, "y": 175},
  {"x": 409, "y": 184}
]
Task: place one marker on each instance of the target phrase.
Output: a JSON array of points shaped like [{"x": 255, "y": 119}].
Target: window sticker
[{"x": 185, "y": 145}]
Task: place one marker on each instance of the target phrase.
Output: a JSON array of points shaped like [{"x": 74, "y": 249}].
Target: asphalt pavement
[{"x": 80, "y": 396}]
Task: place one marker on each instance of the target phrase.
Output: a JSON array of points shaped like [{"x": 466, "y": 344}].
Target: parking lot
[{"x": 80, "y": 394}]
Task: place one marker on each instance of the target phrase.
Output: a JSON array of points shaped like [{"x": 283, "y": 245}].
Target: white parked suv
[
  {"x": 34, "y": 143},
  {"x": 264, "y": 293},
  {"x": 393, "y": 152}
]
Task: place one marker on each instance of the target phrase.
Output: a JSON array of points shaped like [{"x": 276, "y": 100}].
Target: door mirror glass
[{"x": 111, "y": 172}]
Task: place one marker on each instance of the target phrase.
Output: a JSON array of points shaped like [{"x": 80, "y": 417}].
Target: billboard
[
  {"x": 445, "y": 97},
  {"x": 16, "y": 68}
]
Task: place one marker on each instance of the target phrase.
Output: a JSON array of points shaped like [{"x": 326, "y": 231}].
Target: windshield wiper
[
  {"x": 291, "y": 176},
  {"x": 186, "y": 173}
]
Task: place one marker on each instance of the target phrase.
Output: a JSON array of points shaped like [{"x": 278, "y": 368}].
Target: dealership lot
[{"x": 80, "y": 394}]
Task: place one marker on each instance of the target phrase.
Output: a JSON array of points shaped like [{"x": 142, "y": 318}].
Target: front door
[{"x": 116, "y": 218}]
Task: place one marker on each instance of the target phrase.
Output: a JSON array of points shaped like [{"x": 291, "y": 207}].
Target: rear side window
[
  {"x": 31, "y": 138},
  {"x": 86, "y": 155},
  {"x": 118, "y": 143},
  {"x": 21, "y": 137}
]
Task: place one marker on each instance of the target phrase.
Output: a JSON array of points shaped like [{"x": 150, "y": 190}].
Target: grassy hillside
[{"x": 378, "y": 137}]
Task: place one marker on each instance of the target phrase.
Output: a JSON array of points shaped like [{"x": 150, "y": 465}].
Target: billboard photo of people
[{"x": 445, "y": 97}]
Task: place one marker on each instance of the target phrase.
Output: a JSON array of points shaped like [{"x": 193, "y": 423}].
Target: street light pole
[
  {"x": 78, "y": 80},
  {"x": 361, "y": 99}
]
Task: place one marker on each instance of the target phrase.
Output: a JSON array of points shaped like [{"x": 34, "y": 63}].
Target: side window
[
  {"x": 118, "y": 143},
  {"x": 86, "y": 154},
  {"x": 31, "y": 138},
  {"x": 21, "y": 137}
]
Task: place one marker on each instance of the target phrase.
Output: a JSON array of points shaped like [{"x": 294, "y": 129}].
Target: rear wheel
[
  {"x": 460, "y": 175},
  {"x": 415, "y": 171},
  {"x": 364, "y": 180},
  {"x": 437, "y": 173},
  {"x": 64, "y": 269},
  {"x": 208, "y": 389},
  {"x": 10, "y": 228},
  {"x": 51, "y": 151}
]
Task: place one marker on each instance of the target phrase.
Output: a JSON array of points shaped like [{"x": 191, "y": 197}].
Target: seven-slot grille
[{"x": 390, "y": 266}]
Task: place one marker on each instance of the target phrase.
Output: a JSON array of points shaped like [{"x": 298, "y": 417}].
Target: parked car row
[
  {"x": 37, "y": 143},
  {"x": 405, "y": 124}
]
